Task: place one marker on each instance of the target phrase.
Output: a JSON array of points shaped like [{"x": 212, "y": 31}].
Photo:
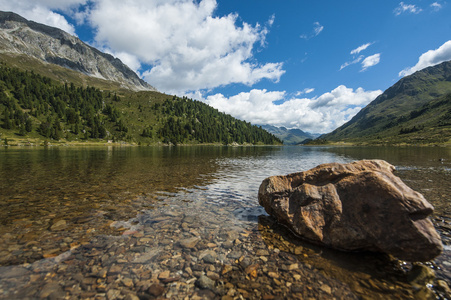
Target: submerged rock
[{"x": 356, "y": 206}]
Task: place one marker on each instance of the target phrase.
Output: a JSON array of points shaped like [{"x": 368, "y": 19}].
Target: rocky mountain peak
[{"x": 52, "y": 45}]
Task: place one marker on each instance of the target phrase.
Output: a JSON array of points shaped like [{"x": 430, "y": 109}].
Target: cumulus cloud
[
  {"x": 430, "y": 58},
  {"x": 371, "y": 61},
  {"x": 318, "y": 114},
  {"x": 42, "y": 11},
  {"x": 406, "y": 8},
  {"x": 183, "y": 45},
  {"x": 188, "y": 47},
  {"x": 317, "y": 29}
]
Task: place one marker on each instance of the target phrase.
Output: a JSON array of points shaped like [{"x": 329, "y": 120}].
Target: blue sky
[{"x": 310, "y": 65}]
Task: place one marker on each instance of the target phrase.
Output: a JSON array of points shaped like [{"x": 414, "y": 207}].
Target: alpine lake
[{"x": 185, "y": 223}]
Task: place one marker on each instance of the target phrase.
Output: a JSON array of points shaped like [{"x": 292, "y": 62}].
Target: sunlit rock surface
[
  {"x": 352, "y": 207},
  {"x": 52, "y": 45}
]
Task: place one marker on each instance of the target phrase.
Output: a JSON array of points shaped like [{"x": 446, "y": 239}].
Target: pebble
[
  {"x": 113, "y": 294},
  {"x": 156, "y": 290},
  {"x": 443, "y": 286},
  {"x": 164, "y": 275},
  {"x": 234, "y": 255},
  {"x": 180, "y": 255},
  {"x": 421, "y": 275},
  {"x": 128, "y": 282},
  {"x": 204, "y": 282},
  {"x": 226, "y": 269},
  {"x": 189, "y": 242},
  {"x": 209, "y": 259},
  {"x": 326, "y": 289},
  {"x": 59, "y": 225},
  {"x": 53, "y": 289}
]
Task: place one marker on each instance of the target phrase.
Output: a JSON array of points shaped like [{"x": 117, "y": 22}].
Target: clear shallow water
[{"x": 113, "y": 222}]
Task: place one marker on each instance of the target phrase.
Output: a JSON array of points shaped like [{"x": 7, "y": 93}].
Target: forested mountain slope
[
  {"x": 416, "y": 109},
  {"x": 35, "y": 108}
]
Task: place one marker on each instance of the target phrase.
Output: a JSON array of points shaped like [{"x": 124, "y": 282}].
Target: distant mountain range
[
  {"x": 415, "y": 110},
  {"x": 290, "y": 136},
  {"x": 27, "y": 39}
]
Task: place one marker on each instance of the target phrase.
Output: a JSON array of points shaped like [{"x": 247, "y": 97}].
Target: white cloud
[
  {"x": 305, "y": 91},
  {"x": 430, "y": 58},
  {"x": 185, "y": 44},
  {"x": 317, "y": 29},
  {"x": 358, "y": 59},
  {"x": 371, "y": 61},
  {"x": 409, "y": 8},
  {"x": 188, "y": 47},
  {"x": 360, "y": 48},
  {"x": 319, "y": 114},
  {"x": 41, "y": 11},
  {"x": 355, "y": 61},
  {"x": 436, "y": 6}
]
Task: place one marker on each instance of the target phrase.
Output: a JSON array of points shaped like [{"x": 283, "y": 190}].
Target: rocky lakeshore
[
  {"x": 124, "y": 230},
  {"x": 192, "y": 251}
]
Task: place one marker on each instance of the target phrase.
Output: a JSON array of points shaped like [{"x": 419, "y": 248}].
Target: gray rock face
[
  {"x": 356, "y": 206},
  {"x": 52, "y": 45}
]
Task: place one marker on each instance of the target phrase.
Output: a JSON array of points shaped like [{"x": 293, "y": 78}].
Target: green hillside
[
  {"x": 416, "y": 110},
  {"x": 36, "y": 109}
]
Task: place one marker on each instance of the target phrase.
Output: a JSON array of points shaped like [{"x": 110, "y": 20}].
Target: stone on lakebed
[{"x": 353, "y": 207}]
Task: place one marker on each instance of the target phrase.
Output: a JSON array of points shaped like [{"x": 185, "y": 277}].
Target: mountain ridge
[
  {"x": 48, "y": 44},
  {"x": 289, "y": 136},
  {"x": 396, "y": 111}
]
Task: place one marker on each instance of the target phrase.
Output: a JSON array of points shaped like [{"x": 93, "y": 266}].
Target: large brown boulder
[{"x": 356, "y": 206}]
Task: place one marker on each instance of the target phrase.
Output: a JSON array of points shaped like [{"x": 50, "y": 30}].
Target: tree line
[
  {"x": 31, "y": 102},
  {"x": 192, "y": 120},
  {"x": 34, "y": 104}
]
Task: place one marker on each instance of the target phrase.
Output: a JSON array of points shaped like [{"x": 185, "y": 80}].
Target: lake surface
[{"x": 176, "y": 222}]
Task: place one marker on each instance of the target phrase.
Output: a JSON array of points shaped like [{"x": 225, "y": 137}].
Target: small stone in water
[
  {"x": 226, "y": 269},
  {"x": 113, "y": 294},
  {"x": 128, "y": 282},
  {"x": 164, "y": 275},
  {"x": 443, "y": 286},
  {"x": 189, "y": 242},
  {"x": 156, "y": 290},
  {"x": 51, "y": 288},
  {"x": 60, "y": 225},
  {"x": 227, "y": 244},
  {"x": 326, "y": 289},
  {"x": 209, "y": 259},
  {"x": 205, "y": 283}
]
